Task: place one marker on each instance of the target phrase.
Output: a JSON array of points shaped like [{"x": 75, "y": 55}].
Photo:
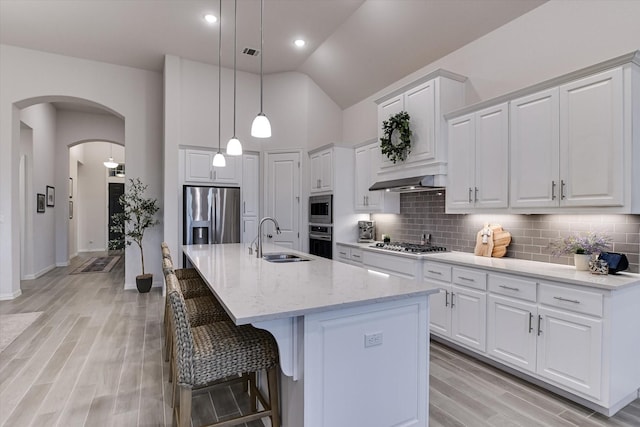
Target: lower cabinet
[
  {"x": 396, "y": 265},
  {"x": 348, "y": 254},
  {"x": 557, "y": 345},
  {"x": 457, "y": 312}
]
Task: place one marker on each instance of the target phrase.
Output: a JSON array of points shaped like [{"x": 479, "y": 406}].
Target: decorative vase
[
  {"x": 581, "y": 261},
  {"x": 144, "y": 282}
]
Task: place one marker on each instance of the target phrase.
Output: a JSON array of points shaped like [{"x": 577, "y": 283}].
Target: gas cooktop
[{"x": 409, "y": 247}]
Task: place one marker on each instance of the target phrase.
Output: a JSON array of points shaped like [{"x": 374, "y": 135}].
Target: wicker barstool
[
  {"x": 190, "y": 288},
  {"x": 202, "y": 307},
  {"x": 210, "y": 354}
]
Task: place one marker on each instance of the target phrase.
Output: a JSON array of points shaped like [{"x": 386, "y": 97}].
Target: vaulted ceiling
[{"x": 354, "y": 47}]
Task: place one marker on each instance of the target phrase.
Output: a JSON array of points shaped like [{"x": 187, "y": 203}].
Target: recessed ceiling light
[
  {"x": 299, "y": 42},
  {"x": 210, "y": 18}
]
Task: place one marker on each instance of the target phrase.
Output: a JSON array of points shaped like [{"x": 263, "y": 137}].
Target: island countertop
[{"x": 255, "y": 290}]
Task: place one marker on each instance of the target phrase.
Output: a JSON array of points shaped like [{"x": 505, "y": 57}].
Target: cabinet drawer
[
  {"x": 437, "y": 271},
  {"x": 343, "y": 252},
  {"x": 470, "y": 278},
  {"x": 571, "y": 299},
  {"x": 513, "y": 287},
  {"x": 356, "y": 255}
]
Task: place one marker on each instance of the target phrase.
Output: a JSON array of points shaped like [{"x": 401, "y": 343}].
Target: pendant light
[
  {"x": 110, "y": 163},
  {"x": 218, "y": 159},
  {"x": 261, "y": 128},
  {"x": 234, "y": 147}
]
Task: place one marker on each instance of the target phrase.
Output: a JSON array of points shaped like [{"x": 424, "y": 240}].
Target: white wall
[
  {"x": 133, "y": 94},
  {"x": 301, "y": 116},
  {"x": 554, "y": 39},
  {"x": 41, "y": 118}
]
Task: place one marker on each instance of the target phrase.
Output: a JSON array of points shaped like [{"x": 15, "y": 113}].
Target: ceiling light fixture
[
  {"x": 299, "y": 42},
  {"x": 210, "y": 18},
  {"x": 234, "y": 147},
  {"x": 218, "y": 159},
  {"x": 110, "y": 163},
  {"x": 261, "y": 128}
]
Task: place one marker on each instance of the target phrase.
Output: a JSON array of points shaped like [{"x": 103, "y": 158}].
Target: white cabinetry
[
  {"x": 199, "y": 169},
  {"x": 367, "y": 164},
  {"x": 250, "y": 196},
  {"x": 349, "y": 254},
  {"x": 397, "y": 265},
  {"x": 479, "y": 160},
  {"x": 558, "y": 336},
  {"x": 321, "y": 171},
  {"x": 425, "y": 100},
  {"x": 560, "y": 136},
  {"x": 591, "y": 139},
  {"x": 459, "y": 311}
]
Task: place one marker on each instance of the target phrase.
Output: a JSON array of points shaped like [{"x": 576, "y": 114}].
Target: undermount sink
[{"x": 283, "y": 257}]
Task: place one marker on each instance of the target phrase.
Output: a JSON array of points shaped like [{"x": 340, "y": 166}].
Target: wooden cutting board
[{"x": 492, "y": 241}]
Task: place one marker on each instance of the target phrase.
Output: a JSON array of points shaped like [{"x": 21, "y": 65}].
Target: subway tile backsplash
[{"x": 424, "y": 212}]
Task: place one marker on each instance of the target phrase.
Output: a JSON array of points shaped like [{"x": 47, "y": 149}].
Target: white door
[
  {"x": 388, "y": 108},
  {"x": 362, "y": 178},
  {"x": 316, "y": 172},
  {"x": 250, "y": 184},
  {"x": 535, "y": 147},
  {"x": 461, "y": 162},
  {"x": 420, "y": 103},
  {"x": 591, "y": 141},
  {"x": 326, "y": 169},
  {"x": 374, "y": 198},
  {"x": 198, "y": 167},
  {"x": 492, "y": 157},
  {"x": 440, "y": 311},
  {"x": 511, "y": 331},
  {"x": 469, "y": 317},
  {"x": 249, "y": 228},
  {"x": 282, "y": 199},
  {"x": 570, "y": 350},
  {"x": 231, "y": 173}
]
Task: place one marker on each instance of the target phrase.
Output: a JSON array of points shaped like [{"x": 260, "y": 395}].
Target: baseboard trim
[
  {"x": 62, "y": 264},
  {"x": 44, "y": 271},
  {"x": 13, "y": 295}
]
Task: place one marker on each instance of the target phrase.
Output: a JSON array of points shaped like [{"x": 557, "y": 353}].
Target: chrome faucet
[{"x": 266, "y": 218}]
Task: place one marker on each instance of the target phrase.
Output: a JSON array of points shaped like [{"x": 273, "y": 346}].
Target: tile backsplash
[{"x": 424, "y": 212}]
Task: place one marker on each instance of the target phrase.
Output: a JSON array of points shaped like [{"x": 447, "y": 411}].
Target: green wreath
[{"x": 402, "y": 148}]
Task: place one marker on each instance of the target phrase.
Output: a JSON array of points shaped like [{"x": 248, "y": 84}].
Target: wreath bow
[{"x": 400, "y": 150}]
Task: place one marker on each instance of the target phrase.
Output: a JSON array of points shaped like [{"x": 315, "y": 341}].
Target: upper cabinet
[
  {"x": 478, "y": 160},
  {"x": 199, "y": 169},
  {"x": 573, "y": 144},
  {"x": 367, "y": 164},
  {"x": 425, "y": 100},
  {"x": 321, "y": 170}
]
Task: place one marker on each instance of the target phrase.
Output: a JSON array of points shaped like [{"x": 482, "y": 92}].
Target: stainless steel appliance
[
  {"x": 211, "y": 215},
  {"x": 366, "y": 231},
  {"x": 320, "y": 240},
  {"x": 320, "y": 209},
  {"x": 409, "y": 247}
]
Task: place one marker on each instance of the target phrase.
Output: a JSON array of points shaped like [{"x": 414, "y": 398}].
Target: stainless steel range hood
[{"x": 417, "y": 183}]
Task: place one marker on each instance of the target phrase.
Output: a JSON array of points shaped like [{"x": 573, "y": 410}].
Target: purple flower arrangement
[{"x": 576, "y": 243}]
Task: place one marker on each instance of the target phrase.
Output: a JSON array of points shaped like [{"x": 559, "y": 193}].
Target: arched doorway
[{"x": 56, "y": 124}]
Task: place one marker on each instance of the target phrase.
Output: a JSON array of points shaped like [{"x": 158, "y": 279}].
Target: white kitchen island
[{"x": 353, "y": 344}]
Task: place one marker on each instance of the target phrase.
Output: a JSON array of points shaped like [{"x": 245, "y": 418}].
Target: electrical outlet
[{"x": 374, "y": 339}]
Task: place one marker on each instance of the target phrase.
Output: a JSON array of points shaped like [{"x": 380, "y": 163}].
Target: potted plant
[
  {"x": 582, "y": 246},
  {"x": 137, "y": 216}
]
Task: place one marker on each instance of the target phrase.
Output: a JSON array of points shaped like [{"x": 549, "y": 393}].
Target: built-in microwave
[{"x": 320, "y": 209}]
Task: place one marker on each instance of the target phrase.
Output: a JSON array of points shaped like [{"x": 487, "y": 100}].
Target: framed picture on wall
[
  {"x": 70, "y": 209},
  {"x": 71, "y": 188},
  {"x": 40, "y": 201},
  {"x": 51, "y": 196}
]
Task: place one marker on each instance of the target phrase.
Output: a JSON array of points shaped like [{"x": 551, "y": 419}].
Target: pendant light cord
[
  {"x": 235, "y": 43},
  {"x": 219, "y": 76},
  {"x": 261, "y": 50}
]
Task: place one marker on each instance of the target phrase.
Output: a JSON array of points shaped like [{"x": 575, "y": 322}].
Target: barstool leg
[
  {"x": 253, "y": 391},
  {"x": 185, "y": 407},
  {"x": 272, "y": 379}
]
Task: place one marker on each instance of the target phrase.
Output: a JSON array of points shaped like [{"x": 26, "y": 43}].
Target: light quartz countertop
[
  {"x": 254, "y": 290},
  {"x": 540, "y": 270}
]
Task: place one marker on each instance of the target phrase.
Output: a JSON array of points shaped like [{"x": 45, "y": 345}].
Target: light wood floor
[{"x": 94, "y": 358}]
